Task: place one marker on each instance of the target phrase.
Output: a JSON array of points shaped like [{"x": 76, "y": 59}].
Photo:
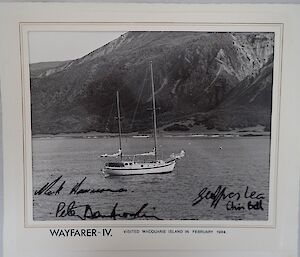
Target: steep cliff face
[
  {"x": 194, "y": 73},
  {"x": 248, "y": 104}
]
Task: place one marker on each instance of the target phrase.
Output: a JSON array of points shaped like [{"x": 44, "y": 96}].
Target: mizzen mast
[
  {"x": 154, "y": 112},
  {"x": 119, "y": 124}
]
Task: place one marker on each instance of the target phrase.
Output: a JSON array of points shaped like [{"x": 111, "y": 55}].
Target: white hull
[{"x": 140, "y": 169}]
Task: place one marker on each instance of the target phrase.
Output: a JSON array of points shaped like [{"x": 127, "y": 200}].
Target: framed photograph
[{"x": 168, "y": 125}]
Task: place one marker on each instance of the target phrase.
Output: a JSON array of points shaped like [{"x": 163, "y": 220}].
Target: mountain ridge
[{"x": 194, "y": 72}]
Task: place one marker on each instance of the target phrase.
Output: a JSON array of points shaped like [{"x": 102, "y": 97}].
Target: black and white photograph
[{"x": 151, "y": 125}]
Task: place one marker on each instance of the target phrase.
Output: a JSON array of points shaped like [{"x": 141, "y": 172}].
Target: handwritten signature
[
  {"x": 234, "y": 200},
  {"x": 56, "y": 186},
  {"x": 85, "y": 212}
]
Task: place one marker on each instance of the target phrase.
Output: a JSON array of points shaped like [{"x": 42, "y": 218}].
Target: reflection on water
[{"x": 209, "y": 162}]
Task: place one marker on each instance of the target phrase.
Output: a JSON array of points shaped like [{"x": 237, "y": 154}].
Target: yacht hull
[{"x": 146, "y": 169}]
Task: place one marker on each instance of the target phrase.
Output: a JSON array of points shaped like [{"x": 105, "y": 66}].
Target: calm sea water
[{"x": 240, "y": 163}]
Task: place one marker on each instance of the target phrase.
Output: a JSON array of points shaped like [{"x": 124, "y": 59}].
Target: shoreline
[{"x": 206, "y": 134}]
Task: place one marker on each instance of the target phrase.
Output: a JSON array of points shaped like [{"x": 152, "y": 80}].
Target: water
[{"x": 241, "y": 162}]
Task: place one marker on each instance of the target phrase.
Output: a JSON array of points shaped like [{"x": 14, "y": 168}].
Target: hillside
[
  {"x": 39, "y": 69},
  {"x": 220, "y": 80}
]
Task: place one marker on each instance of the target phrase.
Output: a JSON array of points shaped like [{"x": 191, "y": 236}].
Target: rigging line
[
  {"x": 109, "y": 116},
  {"x": 139, "y": 99}
]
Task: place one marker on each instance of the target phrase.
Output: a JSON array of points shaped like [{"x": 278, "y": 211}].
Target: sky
[{"x": 49, "y": 46}]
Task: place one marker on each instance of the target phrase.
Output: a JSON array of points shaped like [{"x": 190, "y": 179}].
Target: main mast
[
  {"x": 119, "y": 123},
  {"x": 154, "y": 111}
]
